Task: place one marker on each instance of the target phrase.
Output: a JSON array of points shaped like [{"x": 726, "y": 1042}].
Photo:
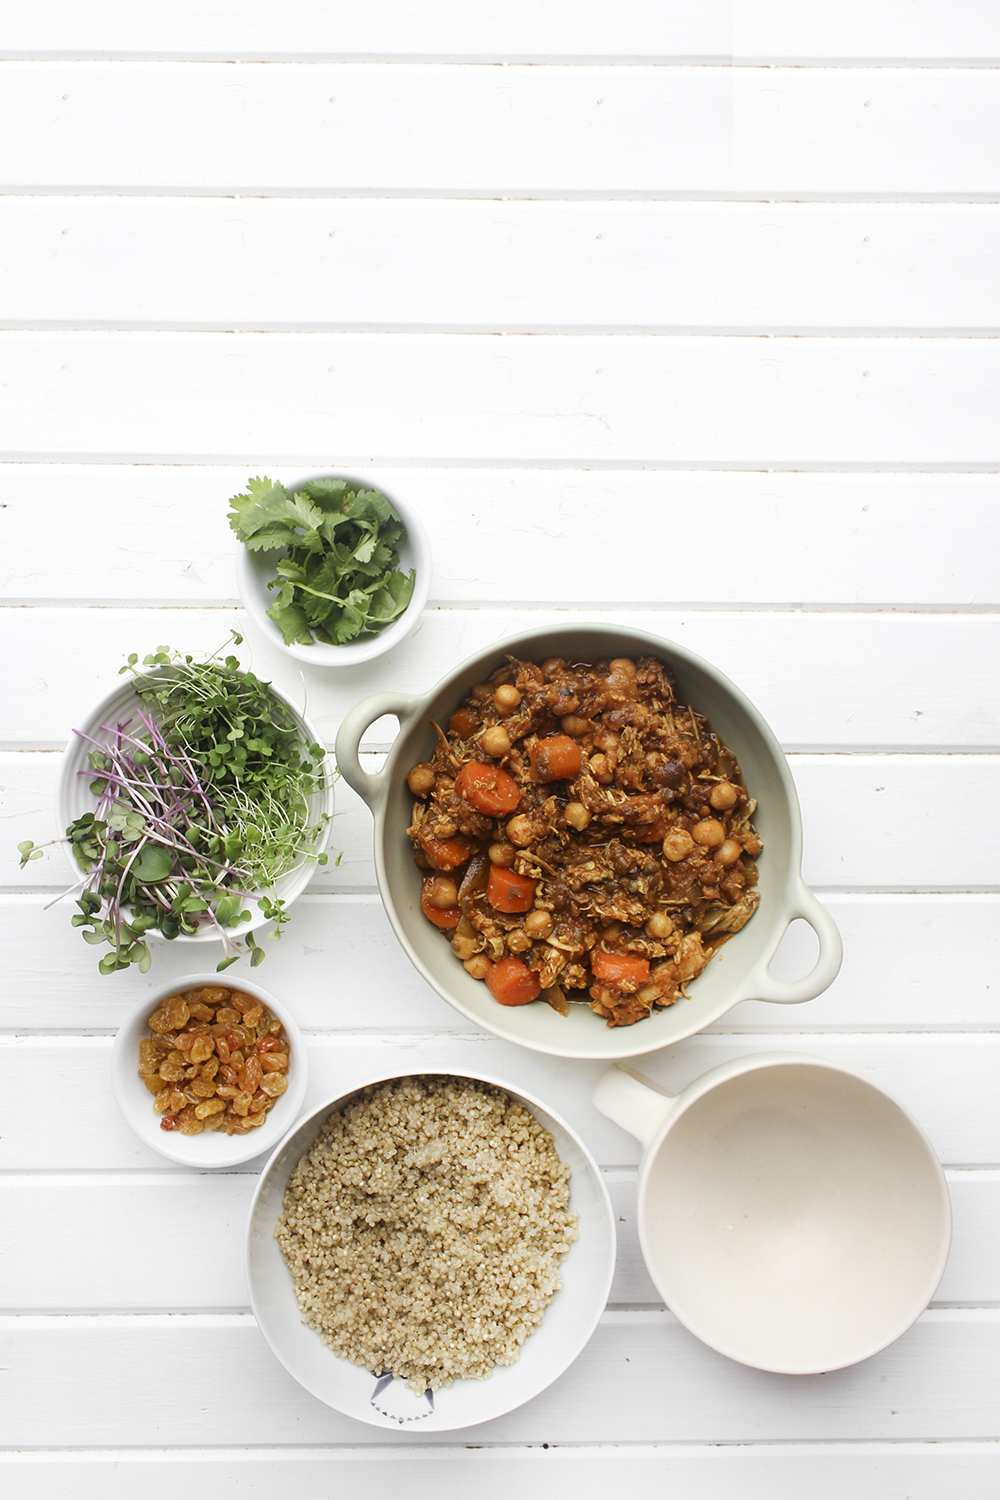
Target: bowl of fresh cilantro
[{"x": 331, "y": 570}]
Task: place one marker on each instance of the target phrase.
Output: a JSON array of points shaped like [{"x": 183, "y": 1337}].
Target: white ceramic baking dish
[{"x": 739, "y": 971}]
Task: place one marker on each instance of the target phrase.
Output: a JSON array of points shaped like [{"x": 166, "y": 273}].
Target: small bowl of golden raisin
[{"x": 209, "y": 1073}]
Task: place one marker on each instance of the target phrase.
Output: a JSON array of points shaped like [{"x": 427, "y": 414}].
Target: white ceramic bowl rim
[
  {"x": 254, "y": 570},
  {"x": 738, "y": 971},
  {"x": 73, "y": 799},
  {"x": 211, "y": 1149},
  {"x": 568, "y": 1323}
]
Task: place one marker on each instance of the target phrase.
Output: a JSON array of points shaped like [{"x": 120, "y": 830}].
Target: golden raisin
[
  {"x": 209, "y": 1107},
  {"x": 176, "y": 1012},
  {"x": 202, "y": 1049},
  {"x": 251, "y": 1074}
]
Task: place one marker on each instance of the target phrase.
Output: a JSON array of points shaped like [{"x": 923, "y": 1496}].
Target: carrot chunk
[
  {"x": 488, "y": 788},
  {"x": 463, "y": 723},
  {"x": 508, "y": 891},
  {"x": 626, "y": 971},
  {"x": 446, "y": 854},
  {"x": 555, "y": 758},
  {"x": 512, "y": 983}
]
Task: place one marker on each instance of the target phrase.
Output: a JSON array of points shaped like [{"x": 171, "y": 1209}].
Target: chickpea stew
[
  {"x": 585, "y": 836},
  {"x": 215, "y": 1059}
]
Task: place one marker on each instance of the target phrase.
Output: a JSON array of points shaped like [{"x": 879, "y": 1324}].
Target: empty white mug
[{"x": 791, "y": 1215}]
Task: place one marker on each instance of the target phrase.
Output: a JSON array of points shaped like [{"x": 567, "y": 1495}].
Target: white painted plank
[
  {"x": 872, "y": 823},
  {"x": 857, "y": 540},
  {"x": 420, "y": 264},
  {"x": 852, "y": 30},
  {"x": 382, "y": 28},
  {"x": 377, "y": 128},
  {"x": 947, "y": 1082},
  {"x": 885, "y": 132},
  {"x": 117, "y": 1257},
  {"x": 936, "y": 1381},
  {"x": 883, "y": 799},
  {"x": 368, "y": 128},
  {"x": 318, "y": 400},
  {"x": 785, "y": 1471},
  {"x": 754, "y": 30},
  {"x": 911, "y": 963},
  {"x": 888, "y": 682}
]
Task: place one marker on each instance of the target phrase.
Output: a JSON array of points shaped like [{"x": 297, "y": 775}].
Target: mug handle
[
  {"x": 373, "y": 787},
  {"x": 760, "y": 985},
  {"x": 635, "y": 1103}
]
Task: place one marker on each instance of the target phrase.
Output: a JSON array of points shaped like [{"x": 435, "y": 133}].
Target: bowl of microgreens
[
  {"x": 331, "y": 570},
  {"x": 197, "y": 803}
]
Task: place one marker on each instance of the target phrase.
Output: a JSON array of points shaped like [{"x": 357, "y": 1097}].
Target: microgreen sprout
[{"x": 202, "y": 803}]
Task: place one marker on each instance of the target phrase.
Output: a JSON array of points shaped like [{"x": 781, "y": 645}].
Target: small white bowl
[
  {"x": 212, "y": 1148},
  {"x": 255, "y": 570},
  {"x": 74, "y": 798},
  {"x": 384, "y": 1401}
]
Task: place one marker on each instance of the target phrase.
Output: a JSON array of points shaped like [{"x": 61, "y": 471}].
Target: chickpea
[
  {"x": 576, "y": 815},
  {"x": 464, "y": 947},
  {"x": 478, "y": 967},
  {"x": 495, "y": 741},
  {"x": 482, "y": 691},
  {"x": 538, "y": 923},
  {"x": 724, "y": 796},
  {"x": 574, "y": 725},
  {"x": 607, "y": 739},
  {"x": 659, "y": 926},
  {"x": 728, "y": 852},
  {"x": 421, "y": 779},
  {"x": 709, "y": 833},
  {"x": 502, "y": 855},
  {"x": 677, "y": 845},
  {"x": 622, "y": 678},
  {"x": 506, "y": 698},
  {"x": 520, "y": 831},
  {"x": 753, "y": 846},
  {"x": 441, "y": 892},
  {"x": 553, "y": 664},
  {"x": 611, "y": 930},
  {"x": 518, "y": 941},
  {"x": 600, "y": 769}
]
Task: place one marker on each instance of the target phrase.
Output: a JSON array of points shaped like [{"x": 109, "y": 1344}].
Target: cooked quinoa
[{"x": 425, "y": 1227}]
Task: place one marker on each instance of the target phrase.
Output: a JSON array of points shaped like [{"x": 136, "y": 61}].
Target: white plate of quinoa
[{"x": 429, "y": 1251}]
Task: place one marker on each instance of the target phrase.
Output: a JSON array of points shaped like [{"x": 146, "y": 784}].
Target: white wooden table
[{"x": 665, "y": 313}]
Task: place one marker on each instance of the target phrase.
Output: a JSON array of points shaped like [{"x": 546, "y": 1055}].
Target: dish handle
[
  {"x": 634, "y": 1102},
  {"x": 761, "y": 985},
  {"x": 372, "y": 786}
]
